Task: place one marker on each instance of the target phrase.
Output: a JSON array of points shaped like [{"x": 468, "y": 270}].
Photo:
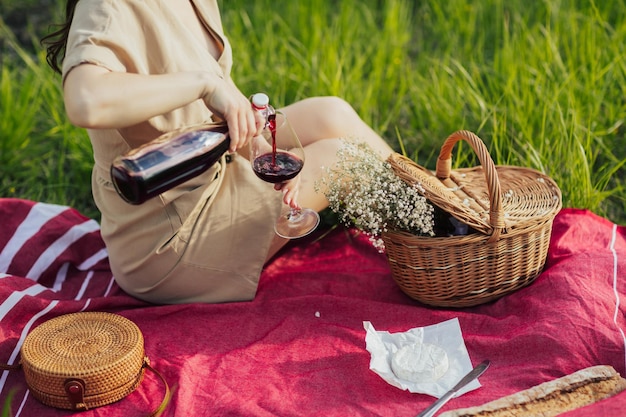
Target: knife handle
[
  {"x": 471, "y": 375},
  {"x": 434, "y": 407}
]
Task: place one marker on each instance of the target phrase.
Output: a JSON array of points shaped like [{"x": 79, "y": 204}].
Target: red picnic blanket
[{"x": 299, "y": 349}]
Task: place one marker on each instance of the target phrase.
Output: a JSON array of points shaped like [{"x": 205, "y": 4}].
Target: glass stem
[{"x": 294, "y": 214}]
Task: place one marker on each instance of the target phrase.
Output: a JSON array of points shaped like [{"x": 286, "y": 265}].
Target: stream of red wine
[{"x": 272, "y": 125}]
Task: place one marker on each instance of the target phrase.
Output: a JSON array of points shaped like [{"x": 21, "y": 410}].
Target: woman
[{"x": 133, "y": 70}]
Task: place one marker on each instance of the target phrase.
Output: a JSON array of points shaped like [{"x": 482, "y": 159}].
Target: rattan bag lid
[
  {"x": 102, "y": 352},
  {"x": 491, "y": 199}
]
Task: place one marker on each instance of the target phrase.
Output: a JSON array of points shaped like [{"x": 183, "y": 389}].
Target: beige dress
[{"x": 205, "y": 240}]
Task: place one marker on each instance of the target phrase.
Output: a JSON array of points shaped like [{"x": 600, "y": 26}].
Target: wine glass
[{"x": 277, "y": 156}]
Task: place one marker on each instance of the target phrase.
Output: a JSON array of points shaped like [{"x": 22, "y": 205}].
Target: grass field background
[{"x": 542, "y": 82}]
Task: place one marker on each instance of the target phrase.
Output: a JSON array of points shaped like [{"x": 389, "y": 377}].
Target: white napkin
[{"x": 445, "y": 335}]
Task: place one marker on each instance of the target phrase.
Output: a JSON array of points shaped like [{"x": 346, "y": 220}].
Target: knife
[{"x": 472, "y": 375}]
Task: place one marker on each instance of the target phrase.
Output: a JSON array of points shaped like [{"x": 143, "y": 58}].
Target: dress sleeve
[{"x": 100, "y": 34}]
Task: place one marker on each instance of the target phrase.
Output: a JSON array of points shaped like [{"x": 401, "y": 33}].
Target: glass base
[{"x": 296, "y": 223}]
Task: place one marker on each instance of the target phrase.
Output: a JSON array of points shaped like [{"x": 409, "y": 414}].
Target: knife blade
[{"x": 471, "y": 375}]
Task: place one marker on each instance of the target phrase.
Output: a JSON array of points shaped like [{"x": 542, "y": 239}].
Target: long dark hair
[{"x": 56, "y": 42}]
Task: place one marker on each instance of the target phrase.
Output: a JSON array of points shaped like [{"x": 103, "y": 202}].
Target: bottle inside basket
[
  {"x": 162, "y": 164},
  {"x": 448, "y": 225}
]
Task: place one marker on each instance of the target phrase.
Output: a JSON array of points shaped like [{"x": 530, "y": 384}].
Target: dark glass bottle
[{"x": 168, "y": 161}]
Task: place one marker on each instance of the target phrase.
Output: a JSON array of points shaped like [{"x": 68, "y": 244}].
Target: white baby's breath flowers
[{"x": 365, "y": 192}]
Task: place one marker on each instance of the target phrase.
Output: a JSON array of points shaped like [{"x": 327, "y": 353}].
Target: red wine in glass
[{"x": 277, "y": 167}]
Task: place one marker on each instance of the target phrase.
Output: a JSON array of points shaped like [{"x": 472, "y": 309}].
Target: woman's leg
[
  {"x": 320, "y": 123},
  {"x": 320, "y": 118}
]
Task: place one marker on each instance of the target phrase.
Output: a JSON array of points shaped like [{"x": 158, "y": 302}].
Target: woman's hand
[{"x": 228, "y": 103}]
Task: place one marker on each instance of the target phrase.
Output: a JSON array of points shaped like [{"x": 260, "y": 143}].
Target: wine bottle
[{"x": 168, "y": 161}]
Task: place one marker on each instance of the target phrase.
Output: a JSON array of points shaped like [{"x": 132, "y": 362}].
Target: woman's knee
[
  {"x": 323, "y": 117},
  {"x": 336, "y": 113}
]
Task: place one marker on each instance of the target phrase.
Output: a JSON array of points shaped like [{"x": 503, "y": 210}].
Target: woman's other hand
[{"x": 290, "y": 191}]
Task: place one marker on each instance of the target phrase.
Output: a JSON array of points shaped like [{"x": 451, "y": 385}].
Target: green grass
[
  {"x": 6, "y": 406},
  {"x": 42, "y": 156},
  {"x": 543, "y": 83}
]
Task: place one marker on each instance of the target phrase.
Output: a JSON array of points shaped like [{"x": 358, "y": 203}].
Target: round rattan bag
[{"x": 85, "y": 360}]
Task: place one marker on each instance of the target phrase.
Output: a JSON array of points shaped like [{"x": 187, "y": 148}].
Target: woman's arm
[{"x": 97, "y": 98}]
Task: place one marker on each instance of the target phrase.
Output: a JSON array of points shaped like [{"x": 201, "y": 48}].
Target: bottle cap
[{"x": 260, "y": 100}]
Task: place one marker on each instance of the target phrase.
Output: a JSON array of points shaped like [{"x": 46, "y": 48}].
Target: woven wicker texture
[
  {"x": 104, "y": 350},
  {"x": 511, "y": 210}
]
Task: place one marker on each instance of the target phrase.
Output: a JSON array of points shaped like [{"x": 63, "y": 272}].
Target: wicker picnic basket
[
  {"x": 509, "y": 211},
  {"x": 85, "y": 360}
]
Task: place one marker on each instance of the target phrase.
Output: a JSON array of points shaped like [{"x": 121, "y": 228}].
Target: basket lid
[{"x": 491, "y": 199}]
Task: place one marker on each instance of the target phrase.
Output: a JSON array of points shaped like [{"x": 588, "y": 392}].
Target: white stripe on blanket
[
  {"x": 615, "y": 291},
  {"x": 53, "y": 251},
  {"x": 25, "y": 332},
  {"x": 15, "y": 297},
  {"x": 38, "y": 216}
]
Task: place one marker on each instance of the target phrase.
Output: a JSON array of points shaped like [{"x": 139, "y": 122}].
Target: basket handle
[
  {"x": 444, "y": 168},
  {"x": 166, "y": 397}
]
